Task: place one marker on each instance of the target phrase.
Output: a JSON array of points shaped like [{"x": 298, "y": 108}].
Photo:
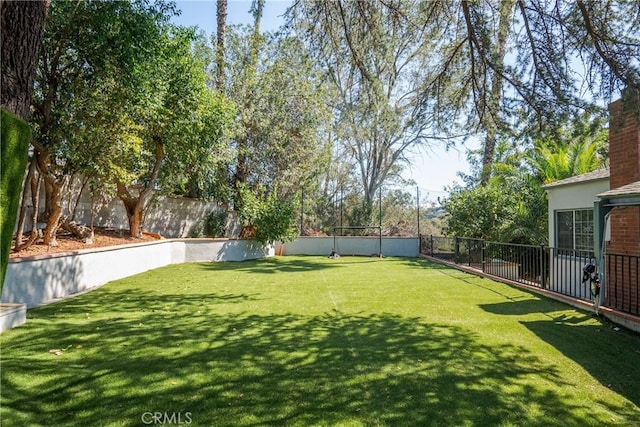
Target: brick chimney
[
  {"x": 624, "y": 166},
  {"x": 624, "y": 147}
]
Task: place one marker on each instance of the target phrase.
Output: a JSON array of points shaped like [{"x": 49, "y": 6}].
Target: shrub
[
  {"x": 15, "y": 137},
  {"x": 268, "y": 216},
  {"x": 214, "y": 224}
]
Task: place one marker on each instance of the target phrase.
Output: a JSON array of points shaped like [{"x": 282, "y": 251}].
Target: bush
[
  {"x": 214, "y": 224},
  {"x": 15, "y": 137},
  {"x": 268, "y": 216}
]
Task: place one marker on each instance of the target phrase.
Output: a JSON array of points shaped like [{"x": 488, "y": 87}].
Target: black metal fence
[
  {"x": 622, "y": 286},
  {"x": 556, "y": 270}
]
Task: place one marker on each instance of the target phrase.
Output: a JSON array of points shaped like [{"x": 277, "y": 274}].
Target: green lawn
[{"x": 316, "y": 341}]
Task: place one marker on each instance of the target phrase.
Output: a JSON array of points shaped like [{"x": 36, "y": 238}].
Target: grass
[{"x": 314, "y": 341}]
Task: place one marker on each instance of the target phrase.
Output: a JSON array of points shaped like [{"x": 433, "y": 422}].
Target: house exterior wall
[
  {"x": 574, "y": 196},
  {"x": 624, "y": 157},
  {"x": 622, "y": 283},
  {"x": 567, "y": 276},
  {"x": 625, "y": 230}
]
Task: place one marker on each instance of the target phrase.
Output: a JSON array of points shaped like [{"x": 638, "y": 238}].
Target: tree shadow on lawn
[
  {"x": 425, "y": 263},
  {"x": 296, "y": 264},
  {"x": 248, "y": 369},
  {"x": 608, "y": 355},
  {"x": 274, "y": 265}
]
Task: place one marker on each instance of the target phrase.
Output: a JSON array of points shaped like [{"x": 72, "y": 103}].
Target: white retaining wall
[
  {"x": 42, "y": 279},
  {"x": 345, "y": 245}
]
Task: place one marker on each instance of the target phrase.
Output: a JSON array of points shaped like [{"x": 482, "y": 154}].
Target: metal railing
[
  {"x": 622, "y": 285},
  {"x": 556, "y": 270}
]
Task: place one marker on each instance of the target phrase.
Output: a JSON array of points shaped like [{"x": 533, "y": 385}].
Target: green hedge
[{"x": 14, "y": 143}]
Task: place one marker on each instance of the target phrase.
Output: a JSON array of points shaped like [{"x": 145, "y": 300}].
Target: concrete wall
[
  {"x": 171, "y": 217},
  {"x": 41, "y": 279},
  {"x": 391, "y": 246},
  {"x": 224, "y": 250}
]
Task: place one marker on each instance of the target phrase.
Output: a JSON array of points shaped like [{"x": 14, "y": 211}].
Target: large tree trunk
[
  {"x": 21, "y": 31},
  {"x": 33, "y": 183},
  {"x": 494, "y": 98},
  {"x": 135, "y": 220},
  {"x": 134, "y": 206},
  {"x": 241, "y": 174},
  {"x": 221, "y": 23},
  {"x": 55, "y": 211},
  {"x": 80, "y": 231},
  {"x": 53, "y": 195}
]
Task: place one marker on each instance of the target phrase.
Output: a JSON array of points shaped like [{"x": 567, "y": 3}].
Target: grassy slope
[{"x": 313, "y": 341}]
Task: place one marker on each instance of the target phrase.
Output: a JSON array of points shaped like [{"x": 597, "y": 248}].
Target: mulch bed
[{"x": 103, "y": 237}]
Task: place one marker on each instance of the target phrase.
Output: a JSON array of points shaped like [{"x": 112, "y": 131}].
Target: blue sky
[{"x": 432, "y": 170}]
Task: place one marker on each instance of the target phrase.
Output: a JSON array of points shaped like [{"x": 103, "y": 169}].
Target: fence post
[
  {"x": 302, "y": 213},
  {"x": 543, "y": 267},
  {"x": 483, "y": 254},
  {"x": 431, "y": 244},
  {"x": 456, "y": 256}
]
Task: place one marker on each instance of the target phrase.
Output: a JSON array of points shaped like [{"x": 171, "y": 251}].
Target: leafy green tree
[
  {"x": 266, "y": 216},
  {"x": 510, "y": 207},
  {"x": 556, "y": 159},
  {"x": 561, "y": 54},
  {"x": 476, "y": 213},
  {"x": 85, "y": 69},
  {"x": 178, "y": 126},
  {"x": 491, "y": 65},
  {"x": 375, "y": 55},
  {"x": 283, "y": 112},
  {"x": 399, "y": 213}
]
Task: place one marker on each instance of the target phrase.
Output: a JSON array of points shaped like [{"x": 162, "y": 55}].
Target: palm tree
[{"x": 555, "y": 160}]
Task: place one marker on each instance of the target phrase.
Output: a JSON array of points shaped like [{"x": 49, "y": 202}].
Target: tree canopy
[{"x": 490, "y": 68}]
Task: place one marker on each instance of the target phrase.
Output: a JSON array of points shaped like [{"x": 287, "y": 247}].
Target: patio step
[{"x": 12, "y": 315}]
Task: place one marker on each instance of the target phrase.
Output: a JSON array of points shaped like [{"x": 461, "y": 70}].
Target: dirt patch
[{"x": 103, "y": 237}]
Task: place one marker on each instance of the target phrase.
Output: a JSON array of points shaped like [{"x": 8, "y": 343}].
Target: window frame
[{"x": 581, "y": 229}]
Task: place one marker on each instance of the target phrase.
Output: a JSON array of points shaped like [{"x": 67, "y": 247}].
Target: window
[{"x": 574, "y": 230}]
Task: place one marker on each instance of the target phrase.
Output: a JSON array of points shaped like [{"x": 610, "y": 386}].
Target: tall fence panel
[
  {"x": 440, "y": 247},
  {"x": 566, "y": 272},
  {"x": 622, "y": 287},
  {"x": 559, "y": 271},
  {"x": 469, "y": 251},
  {"x": 525, "y": 264}
]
